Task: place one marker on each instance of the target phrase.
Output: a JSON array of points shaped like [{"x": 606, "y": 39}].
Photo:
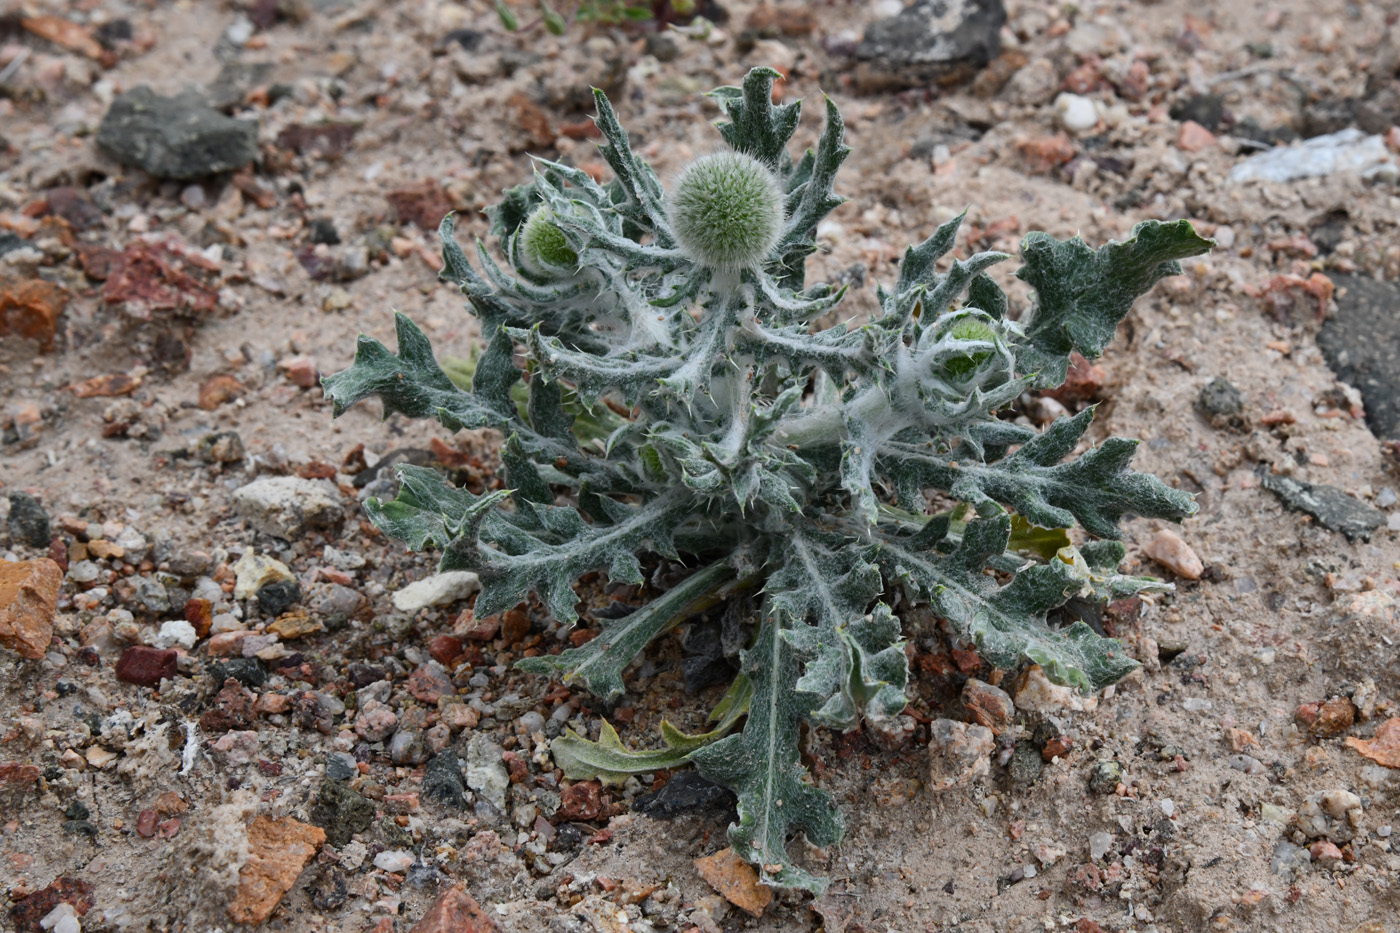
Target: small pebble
[{"x": 1076, "y": 113}]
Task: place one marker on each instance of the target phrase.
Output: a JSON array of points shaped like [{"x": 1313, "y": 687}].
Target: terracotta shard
[
  {"x": 278, "y": 851},
  {"x": 28, "y": 601},
  {"x": 455, "y": 911},
  {"x": 1384, "y": 749},
  {"x": 736, "y": 879}
]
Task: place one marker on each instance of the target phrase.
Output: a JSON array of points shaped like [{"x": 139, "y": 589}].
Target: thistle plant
[{"x": 680, "y": 404}]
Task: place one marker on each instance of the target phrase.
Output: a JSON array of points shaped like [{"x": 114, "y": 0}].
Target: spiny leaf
[
  {"x": 410, "y": 383},
  {"x": 762, "y": 765},
  {"x": 1082, "y": 293}
]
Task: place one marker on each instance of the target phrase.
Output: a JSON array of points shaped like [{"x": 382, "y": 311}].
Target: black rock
[
  {"x": 1221, "y": 403},
  {"x": 1205, "y": 109},
  {"x": 332, "y": 890},
  {"x": 29, "y": 522},
  {"x": 112, "y": 32},
  {"x": 1362, "y": 345},
  {"x": 247, "y": 671},
  {"x": 77, "y": 810},
  {"x": 323, "y": 231},
  {"x": 1265, "y": 137},
  {"x": 1327, "y": 116},
  {"x": 468, "y": 39},
  {"x": 341, "y": 812},
  {"x": 442, "y": 779},
  {"x": 80, "y": 828},
  {"x": 930, "y": 42},
  {"x": 662, "y": 47},
  {"x": 9, "y": 242},
  {"x": 1026, "y": 763},
  {"x": 177, "y": 137},
  {"x": 362, "y": 675},
  {"x": 686, "y": 792},
  {"x": 340, "y": 766},
  {"x": 1332, "y": 508},
  {"x": 278, "y": 596}
]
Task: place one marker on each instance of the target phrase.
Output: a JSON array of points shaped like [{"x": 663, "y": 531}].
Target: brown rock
[
  {"x": 170, "y": 804},
  {"x": 31, "y": 309},
  {"x": 958, "y": 753},
  {"x": 27, "y": 914},
  {"x": 108, "y": 386},
  {"x": 428, "y": 682},
  {"x": 219, "y": 390},
  {"x": 470, "y": 625},
  {"x": 299, "y": 370},
  {"x": 1240, "y": 739},
  {"x": 736, "y": 879},
  {"x": 515, "y": 625},
  {"x": 1057, "y": 747},
  {"x": 14, "y": 774},
  {"x": 531, "y": 121},
  {"x": 146, "y": 823},
  {"x": 423, "y": 204},
  {"x": 146, "y": 666},
  {"x": 1167, "y": 549},
  {"x": 278, "y": 850},
  {"x": 28, "y": 601},
  {"x": 105, "y": 550},
  {"x": 987, "y": 705},
  {"x": 200, "y": 614},
  {"x": 1384, "y": 749},
  {"x": 445, "y": 649},
  {"x": 1192, "y": 137},
  {"x": 1084, "y": 382},
  {"x": 1045, "y": 153},
  {"x": 295, "y": 624},
  {"x": 1334, "y": 717},
  {"x": 581, "y": 801},
  {"x": 455, "y": 911},
  {"x": 1325, "y": 853},
  {"x": 233, "y": 709}
]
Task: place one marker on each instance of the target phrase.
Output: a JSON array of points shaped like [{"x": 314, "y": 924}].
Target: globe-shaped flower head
[
  {"x": 726, "y": 211},
  {"x": 543, "y": 248}
]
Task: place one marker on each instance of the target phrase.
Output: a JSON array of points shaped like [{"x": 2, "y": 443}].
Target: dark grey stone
[
  {"x": 1222, "y": 404},
  {"x": 931, "y": 42},
  {"x": 1205, "y": 109},
  {"x": 442, "y": 779},
  {"x": 1026, "y": 763},
  {"x": 1106, "y": 776},
  {"x": 278, "y": 596},
  {"x": 1332, "y": 508},
  {"x": 247, "y": 671},
  {"x": 686, "y": 792},
  {"x": 177, "y": 137},
  {"x": 340, "y": 766},
  {"x": 1362, "y": 345},
  {"x": 9, "y": 242},
  {"x": 28, "y": 520}
]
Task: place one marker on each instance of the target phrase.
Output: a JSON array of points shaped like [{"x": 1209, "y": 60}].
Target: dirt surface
[{"x": 134, "y": 803}]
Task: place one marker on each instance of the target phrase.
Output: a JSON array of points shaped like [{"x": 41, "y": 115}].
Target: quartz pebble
[
  {"x": 1098, "y": 845},
  {"x": 1167, "y": 549},
  {"x": 1076, "y": 113},
  {"x": 394, "y": 860}
]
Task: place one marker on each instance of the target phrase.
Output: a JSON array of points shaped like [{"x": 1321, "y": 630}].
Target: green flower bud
[
  {"x": 726, "y": 211},
  {"x": 542, "y": 246}
]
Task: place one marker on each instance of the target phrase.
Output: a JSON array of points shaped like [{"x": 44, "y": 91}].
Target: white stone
[
  {"x": 393, "y": 860},
  {"x": 438, "y": 590},
  {"x": 1098, "y": 845},
  {"x": 254, "y": 571},
  {"x": 1347, "y": 151},
  {"x": 287, "y": 506},
  {"x": 1076, "y": 113},
  {"x": 1035, "y": 693},
  {"x": 172, "y": 633},
  {"x": 62, "y": 919}
]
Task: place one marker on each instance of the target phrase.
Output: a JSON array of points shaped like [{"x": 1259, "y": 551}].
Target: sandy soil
[{"x": 1287, "y": 613}]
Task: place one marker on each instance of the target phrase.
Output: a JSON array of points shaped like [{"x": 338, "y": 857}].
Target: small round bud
[
  {"x": 726, "y": 211},
  {"x": 543, "y": 248}
]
